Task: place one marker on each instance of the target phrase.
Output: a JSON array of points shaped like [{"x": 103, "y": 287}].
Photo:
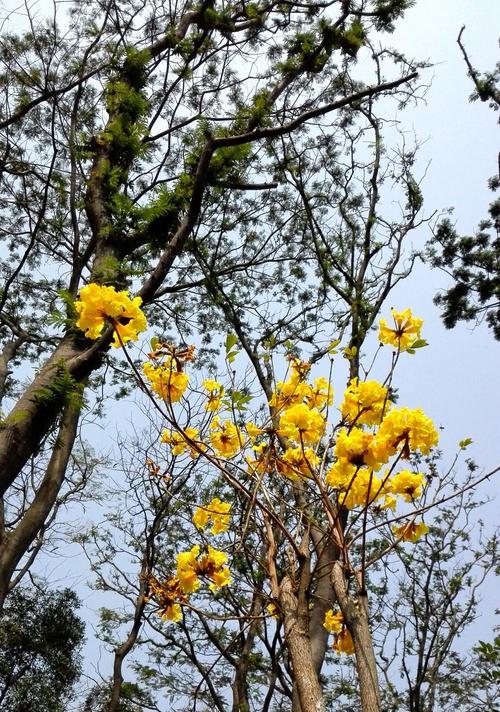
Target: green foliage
[
  {"x": 63, "y": 387},
  {"x": 40, "y": 641},
  {"x": 133, "y": 698},
  {"x": 473, "y": 262}
]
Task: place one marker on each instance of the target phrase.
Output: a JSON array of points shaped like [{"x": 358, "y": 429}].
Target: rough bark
[
  {"x": 296, "y": 623},
  {"x": 17, "y": 542},
  {"x": 38, "y": 408},
  {"x": 355, "y": 612}
]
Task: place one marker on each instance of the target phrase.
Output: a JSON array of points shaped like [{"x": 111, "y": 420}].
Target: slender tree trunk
[
  {"x": 17, "y": 542},
  {"x": 296, "y": 624},
  {"x": 40, "y": 405},
  {"x": 356, "y": 616},
  {"x": 123, "y": 650}
]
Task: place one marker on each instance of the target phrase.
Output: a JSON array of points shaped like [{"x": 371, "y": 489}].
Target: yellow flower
[
  {"x": 405, "y": 332},
  {"x": 288, "y": 393},
  {"x": 364, "y": 402},
  {"x": 187, "y": 570},
  {"x": 410, "y": 531},
  {"x": 212, "y": 566},
  {"x": 342, "y": 640},
  {"x": 264, "y": 461},
  {"x": 302, "y": 424},
  {"x": 165, "y": 380},
  {"x": 409, "y": 428},
  {"x": 333, "y": 621},
  {"x": 344, "y": 643},
  {"x": 272, "y": 609},
  {"x": 217, "y": 512},
  {"x": 99, "y": 305},
  {"x": 178, "y": 443},
  {"x": 298, "y": 463},
  {"x": 320, "y": 395},
  {"x": 215, "y": 393},
  {"x": 389, "y": 502},
  {"x": 167, "y": 595},
  {"x": 225, "y": 438},
  {"x": 361, "y": 491},
  {"x": 354, "y": 451},
  {"x": 407, "y": 484},
  {"x": 253, "y": 431}
]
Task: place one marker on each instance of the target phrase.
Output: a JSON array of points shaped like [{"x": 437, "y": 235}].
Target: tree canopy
[{"x": 177, "y": 174}]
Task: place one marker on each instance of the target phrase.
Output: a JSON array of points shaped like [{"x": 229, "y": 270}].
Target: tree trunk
[
  {"x": 356, "y": 617},
  {"x": 296, "y": 624},
  {"x": 38, "y": 408},
  {"x": 17, "y": 542}
]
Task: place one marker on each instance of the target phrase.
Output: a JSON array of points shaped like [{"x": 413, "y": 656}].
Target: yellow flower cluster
[
  {"x": 99, "y": 305},
  {"x": 168, "y": 596},
  {"x": 226, "y": 438},
  {"x": 215, "y": 393},
  {"x": 409, "y": 428},
  {"x": 411, "y": 531},
  {"x": 210, "y": 565},
  {"x": 302, "y": 424},
  {"x": 191, "y": 566},
  {"x": 365, "y": 402},
  {"x": 342, "y": 639},
  {"x": 359, "y": 454},
  {"x": 405, "y": 332},
  {"x": 216, "y": 512},
  {"x": 178, "y": 441},
  {"x": 296, "y": 390},
  {"x": 298, "y": 463},
  {"x": 165, "y": 379}
]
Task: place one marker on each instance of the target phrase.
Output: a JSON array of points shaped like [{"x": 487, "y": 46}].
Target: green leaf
[
  {"x": 419, "y": 344},
  {"x": 231, "y": 340},
  {"x": 232, "y": 355},
  {"x": 465, "y": 443},
  {"x": 331, "y": 347}
]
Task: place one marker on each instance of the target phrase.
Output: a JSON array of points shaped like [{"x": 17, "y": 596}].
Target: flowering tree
[
  {"x": 130, "y": 139},
  {"x": 311, "y": 497}
]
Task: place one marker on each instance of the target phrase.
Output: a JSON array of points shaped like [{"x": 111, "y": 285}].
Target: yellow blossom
[
  {"x": 407, "y": 484},
  {"x": 362, "y": 490},
  {"x": 215, "y": 393},
  {"x": 319, "y": 395},
  {"x": 389, "y": 502},
  {"x": 178, "y": 443},
  {"x": 264, "y": 461},
  {"x": 364, "y": 402},
  {"x": 302, "y": 424},
  {"x": 272, "y": 609},
  {"x": 333, "y": 621},
  {"x": 253, "y": 431},
  {"x": 342, "y": 640},
  {"x": 225, "y": 437},
  {"x": 187, "y": 570},
  {"x": 411, "y": 531},
  {"x": 165, "y": 380},
  {"x": 344, "y": 643},
  {"x": 355, "y": 446},
  {"x": 298, "y": 463},
  {"x": 216, "y": 512},
  {"x": 409, "y": 428},
  {"x": 405, "y": 332},
  {"x": 167, "y": 595},
  {"x": 288, "y": 393},
  {"x": 99, "y": 305},
  {"x": 212, "y": 566}
]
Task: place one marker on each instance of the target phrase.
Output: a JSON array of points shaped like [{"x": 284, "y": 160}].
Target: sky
[{"x": 456, "y": 380}]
